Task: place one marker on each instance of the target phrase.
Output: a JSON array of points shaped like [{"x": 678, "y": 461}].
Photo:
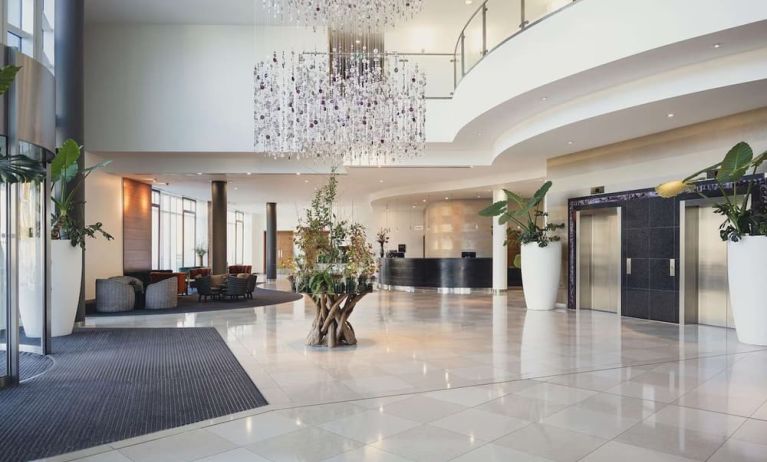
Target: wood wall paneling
[{"x": 137, "y": 226}]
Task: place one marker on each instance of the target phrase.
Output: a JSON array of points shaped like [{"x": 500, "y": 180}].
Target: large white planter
[
  {"x": 747, "y": 273},
  {"x": 541, "y": 267},
  {"x": 66, "y": 271}
]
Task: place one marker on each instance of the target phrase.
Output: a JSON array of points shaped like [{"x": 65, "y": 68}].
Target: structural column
[
  {"x": 70, "y": 118},
  {"x": 271, "y": 241},
  {"x": 500, "y": 252},
  {"x": 218, "y": 218}
]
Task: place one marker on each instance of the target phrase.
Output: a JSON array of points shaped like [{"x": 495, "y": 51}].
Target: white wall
[
  {"x": 104, "y": 203},
  {"x": 159, "y": 87},
  {"x": 406, "y": 224}
]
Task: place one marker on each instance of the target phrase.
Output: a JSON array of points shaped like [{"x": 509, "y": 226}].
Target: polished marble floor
[{"x": 473, "y": 378}]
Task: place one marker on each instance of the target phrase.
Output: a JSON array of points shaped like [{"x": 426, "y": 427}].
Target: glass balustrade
[{"x": 494, "y": 22}]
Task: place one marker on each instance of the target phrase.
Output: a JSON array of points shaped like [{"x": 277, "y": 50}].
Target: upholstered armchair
[
  {"x": 235, "y": 287},
  {"x": 114, "y": 296},
  {"x": 206, "y": 289},
  {"x": 162, "y": 295},
  {"x": 252, "y": 279},
  {"x": 240, "y": 269}
]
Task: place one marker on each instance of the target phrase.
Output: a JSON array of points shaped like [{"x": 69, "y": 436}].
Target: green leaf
[
  {"x": 7, "y": 76},
  {"x": 735, "y": 163},
  {"x": 64, "y": 166},
  {"x": 514, "y": 197},
  {"x": 20, "y": 169},
  {"x": 759, "y": 160},
  {"x": 518, "y": 261},
  {"x": 539, "y": 195},
  {"x": 494, "y": 210}
]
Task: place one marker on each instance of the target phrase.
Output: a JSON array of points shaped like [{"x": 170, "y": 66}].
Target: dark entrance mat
[
  {"x": 111, "y": 384},
  {"x": 189, "y": 303}
]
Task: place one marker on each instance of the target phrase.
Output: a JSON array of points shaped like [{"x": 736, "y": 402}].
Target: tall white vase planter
[
  {"x": 747, "y": 273},
  {"x": 541, "y": 267},
  {"x": 66, "y": 270}
]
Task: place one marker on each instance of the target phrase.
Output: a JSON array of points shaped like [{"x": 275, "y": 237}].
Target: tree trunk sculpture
[{"x": 331, "y": 325}]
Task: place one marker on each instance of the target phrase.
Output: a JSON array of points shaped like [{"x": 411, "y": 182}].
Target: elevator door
[
  {"x": 599, "y": 260},
  {"x": 712, "y": 294}
]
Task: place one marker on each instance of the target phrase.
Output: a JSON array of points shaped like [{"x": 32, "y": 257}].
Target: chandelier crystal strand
[
  {"x": 358, "y": 107},
  {"x": 357, "y": 15}
]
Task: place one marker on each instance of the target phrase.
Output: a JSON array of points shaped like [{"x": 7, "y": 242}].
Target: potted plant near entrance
[
  {"x": 745, "y": 231},
  {"x": 68, "y": 236},
  {"x": 541, "y": 249}
]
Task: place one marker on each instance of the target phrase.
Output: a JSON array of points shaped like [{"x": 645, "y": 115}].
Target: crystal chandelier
[
  {"x": 370, "y": 15},
  {"x": 353, "y": 108}
]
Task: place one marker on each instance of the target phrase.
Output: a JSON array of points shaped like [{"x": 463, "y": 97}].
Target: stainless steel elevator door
[
  {"x": 713, "y": 293},
  {"x": 599, "y": 260}
]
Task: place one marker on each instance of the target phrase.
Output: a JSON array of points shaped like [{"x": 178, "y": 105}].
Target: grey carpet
[
  {"x": 111, "y": 384},
  {"x": 30, "y": 364},
  {"x": 189, "y": 303}
]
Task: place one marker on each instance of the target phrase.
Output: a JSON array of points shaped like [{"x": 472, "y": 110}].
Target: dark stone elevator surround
[{"x": 650, "y": 237}]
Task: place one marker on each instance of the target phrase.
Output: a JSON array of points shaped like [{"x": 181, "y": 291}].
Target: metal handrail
[{"x": 460, "y": 42}]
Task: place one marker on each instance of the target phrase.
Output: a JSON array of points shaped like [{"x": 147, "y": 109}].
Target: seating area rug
[
  {"x": 190, "y": 303},
  {"x": 107, "y": 385}
]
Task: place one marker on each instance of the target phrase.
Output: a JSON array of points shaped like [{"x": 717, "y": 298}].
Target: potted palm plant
[
  {"x": 68, "y": 236},
  {"x": 541, "y": 249},
  {"x": 745, "y": 231}
]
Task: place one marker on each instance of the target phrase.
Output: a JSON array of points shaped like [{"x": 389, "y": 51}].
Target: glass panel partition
[
  {"x": 31, "y": 257},
  {"x": 474, "y": 40},
  {"x": 4, "y": 275},
  {"x": 503, "y": 19}
]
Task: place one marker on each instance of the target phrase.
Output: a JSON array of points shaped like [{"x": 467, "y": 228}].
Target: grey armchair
[
  {"x": 235, "y": 287},
  {"x": 162, "y": 295},
  {"x": 251, "y": 285},
  {"x": 114, "y": 296}
]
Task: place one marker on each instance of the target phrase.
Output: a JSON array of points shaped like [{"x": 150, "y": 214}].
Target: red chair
[{"x": 240, "y": 269}]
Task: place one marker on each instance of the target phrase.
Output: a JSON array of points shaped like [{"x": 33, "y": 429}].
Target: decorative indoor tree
[
  {"x": 541, "y": 249},
  {"x": 744, "y": 229},
  {"x": 200, "y": 250},
  {"x": 328, "y": 270}
]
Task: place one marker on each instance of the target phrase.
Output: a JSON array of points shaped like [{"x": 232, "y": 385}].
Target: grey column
[
  {"x": 271, "y": 240},
  {"x": 70, "y": 114},
  {"x": 218, "y": 219}
]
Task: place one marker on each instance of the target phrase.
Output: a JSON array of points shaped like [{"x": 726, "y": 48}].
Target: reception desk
[{"x": 448, "y": 274}]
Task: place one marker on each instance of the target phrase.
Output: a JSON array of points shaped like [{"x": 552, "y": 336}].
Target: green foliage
[
  {"x": 66, "y": 179},
  {"x": 20, "y": 169},
  {"x": 7, "y": 76},
  {"x": 740, "y": 216},
  {"x": 526, "y": 214},
  {"x": 329, "y": 248}
]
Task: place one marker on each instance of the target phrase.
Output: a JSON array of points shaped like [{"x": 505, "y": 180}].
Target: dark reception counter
[{"x": 440, "y": 273}]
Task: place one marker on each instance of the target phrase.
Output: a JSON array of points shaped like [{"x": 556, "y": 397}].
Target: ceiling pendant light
[
  {"x": 360, "y": 15},
  {"x": 352, "y": 106}
]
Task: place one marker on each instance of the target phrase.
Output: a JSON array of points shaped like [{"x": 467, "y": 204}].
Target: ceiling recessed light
[
  {"x": 468, "y": 2},
  {"x": 199, "y": 173},
  {"x": 717, "y": 45},
  {"x": 236, "y": 188},
  {"x": 570, "y": 142},
  {"x": 544, "y": 98},
  {"x": 298, "y": 173},
  {"x": 306, "y": 181},
  {"x": 380, "y": 181},
  {"x": 447, "y": 198},
  {"x": 247, "y": 173},
  {"x": 670, "y": 115},
  {"x": 423, "y": 200},
  {"x": 414, "y": 206}
]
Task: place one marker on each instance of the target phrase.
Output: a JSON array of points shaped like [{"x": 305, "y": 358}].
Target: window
[
  {"x": 21, "y": 25},
  {"x": 235, "y": 236},
  {"x": 175, "y": 226},
  {"x": 47, "y": 56}
]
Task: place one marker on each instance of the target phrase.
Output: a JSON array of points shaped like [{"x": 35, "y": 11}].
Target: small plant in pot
[
  {"x": 541, "y": 249},
  {"x": 744, "y": 229},
  {"x": 382, "y": 237},
  {"x": 68, "y": 236}
]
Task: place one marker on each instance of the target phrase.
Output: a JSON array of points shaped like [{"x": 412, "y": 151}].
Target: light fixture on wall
[
  {"x": 354, "y": 15},
  {"x": 356, "y": 105}
]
